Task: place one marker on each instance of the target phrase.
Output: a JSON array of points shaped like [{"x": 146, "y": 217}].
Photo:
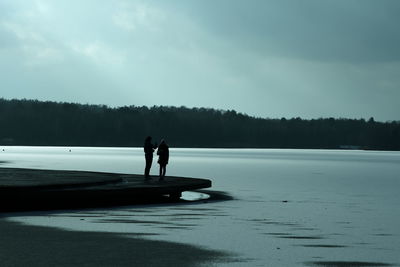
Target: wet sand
[
  {"x": 25, "y": 245},
  {"x": 22, "y": 245}
]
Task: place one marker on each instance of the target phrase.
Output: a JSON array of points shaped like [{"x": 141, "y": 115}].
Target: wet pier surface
[{"x": 48, "y": 189}]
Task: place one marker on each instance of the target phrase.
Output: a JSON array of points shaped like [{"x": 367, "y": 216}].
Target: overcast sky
[{"x": 307, "y": 58}]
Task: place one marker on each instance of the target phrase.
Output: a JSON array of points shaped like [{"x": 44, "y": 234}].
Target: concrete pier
[{"x": 27, "y": 189}]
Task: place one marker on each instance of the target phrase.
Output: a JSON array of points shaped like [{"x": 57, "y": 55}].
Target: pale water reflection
[{"x": 289, "y": 207}]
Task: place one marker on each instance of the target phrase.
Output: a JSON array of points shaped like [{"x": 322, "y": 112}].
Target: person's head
[
  {"x": 162, "y": 142},
  {"x": 148, "y": 138}
]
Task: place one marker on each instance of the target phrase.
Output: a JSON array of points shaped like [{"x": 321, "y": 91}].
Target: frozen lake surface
[{"x": 289, "y": 207}]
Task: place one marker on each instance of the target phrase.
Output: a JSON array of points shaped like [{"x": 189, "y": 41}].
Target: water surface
[{"x": 290, "y": 207}]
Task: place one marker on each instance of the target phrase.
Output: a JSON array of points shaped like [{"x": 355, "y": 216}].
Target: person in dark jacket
[
  {"x": 148, "y": 154},
  {"x": 163, "y": 157}
]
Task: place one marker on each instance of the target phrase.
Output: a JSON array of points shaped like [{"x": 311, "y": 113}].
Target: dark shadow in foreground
[
  {"x": 42, "y": 246},
  {"x": 22, "y": 245},
  {"x": 216, "y": 195}
]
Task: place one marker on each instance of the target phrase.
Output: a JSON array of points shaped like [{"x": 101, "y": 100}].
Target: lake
[{"x": 289, "y": 207}]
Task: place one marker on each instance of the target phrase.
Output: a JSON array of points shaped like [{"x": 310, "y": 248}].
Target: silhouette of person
[
  {"x": 163, "y": 156},
  {"x": 148, "y": 154}
]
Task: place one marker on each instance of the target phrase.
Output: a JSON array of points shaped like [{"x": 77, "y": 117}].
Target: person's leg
[
  {"x": 164, "y": 170},
  {"x": 149, "y": 161},
  {"x": 146, "y": 169}
]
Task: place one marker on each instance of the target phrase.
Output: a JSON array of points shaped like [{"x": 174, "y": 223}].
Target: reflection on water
[
  {"x": 288, "y": 207},
  {"x": 194, "y": 196}
]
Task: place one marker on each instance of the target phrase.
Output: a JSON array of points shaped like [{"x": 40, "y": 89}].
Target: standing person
[
  {"x": 163, "y": 156},
  {"x": 148, "y": 154}
]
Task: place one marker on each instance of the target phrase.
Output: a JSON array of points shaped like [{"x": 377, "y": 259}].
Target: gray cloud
[
  {"x": 267, "y": 58},
  {"x": 340, "y": 30}
]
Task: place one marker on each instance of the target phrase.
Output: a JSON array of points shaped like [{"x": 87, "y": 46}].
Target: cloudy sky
[{"x": 267, "y": 58}]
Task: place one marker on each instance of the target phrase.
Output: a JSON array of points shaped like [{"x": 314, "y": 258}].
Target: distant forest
[{"x": 32, "y": 122}]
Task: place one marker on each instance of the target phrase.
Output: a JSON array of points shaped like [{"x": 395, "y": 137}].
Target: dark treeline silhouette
[{"x": 32, "y": 122}]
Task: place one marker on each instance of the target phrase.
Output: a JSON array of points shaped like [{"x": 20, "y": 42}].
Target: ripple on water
[{"x": 347, "y": 263}]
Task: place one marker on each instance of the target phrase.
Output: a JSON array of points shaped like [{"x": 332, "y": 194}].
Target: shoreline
[
  {"x": 25, "y": 245},
  {"x": 35, "y": 189},
  {"x": 53, "y": 246}
]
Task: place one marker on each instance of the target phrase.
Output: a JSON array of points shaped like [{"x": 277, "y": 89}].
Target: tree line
[{"x": 33, "y": 122}]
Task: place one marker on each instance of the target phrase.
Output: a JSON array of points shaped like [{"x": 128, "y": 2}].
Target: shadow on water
[
  {"x": 321, "y": 246},
  {"x": 347, "y": 264},
  {"x": 46, "y": 246},
  {"x": 116, "y": 201},
  {"x": 291, "y": 236},
  {"x": 300, "y": 237},
  {"x": 43, "y": 246},
  {"x": 217, "y": 195}
]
